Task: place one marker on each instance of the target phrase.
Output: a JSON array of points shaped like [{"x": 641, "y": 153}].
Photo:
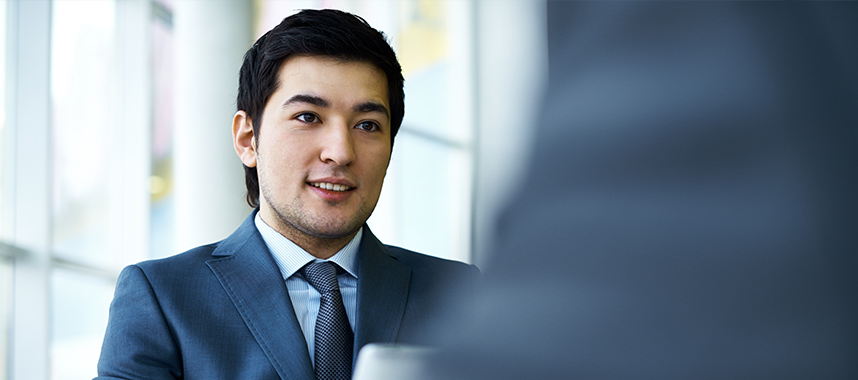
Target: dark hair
[{"x": 328, "y": 33}]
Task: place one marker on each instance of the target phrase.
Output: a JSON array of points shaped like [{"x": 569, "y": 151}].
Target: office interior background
[{"x": 115, "y": 124}]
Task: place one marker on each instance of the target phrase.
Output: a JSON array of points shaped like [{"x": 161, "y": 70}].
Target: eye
[
  {"x": 369, "y": 126},
  {"x": 307, "y": 118}
]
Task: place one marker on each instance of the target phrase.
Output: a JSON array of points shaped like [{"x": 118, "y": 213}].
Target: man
[
  {"x": 706, "y": 226},
  {"x": 320, "y": 100}
]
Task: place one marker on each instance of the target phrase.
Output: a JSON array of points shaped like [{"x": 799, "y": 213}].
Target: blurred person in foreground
[
  {"x": 302, "y": 284},
  {"x": 691, "y": 205}
]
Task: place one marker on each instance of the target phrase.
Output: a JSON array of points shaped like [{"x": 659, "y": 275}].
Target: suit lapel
[
  {"x": 382, "y": 293},
  {"x": 250, "y": 277}
]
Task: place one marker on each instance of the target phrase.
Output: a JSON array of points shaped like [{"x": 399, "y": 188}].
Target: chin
[
  {"x": 334, "y": 231},
  {"x": 331, "y": 233}
]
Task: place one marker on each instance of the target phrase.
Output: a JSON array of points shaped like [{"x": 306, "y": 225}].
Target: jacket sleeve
[{"x": 138, "y": 343}]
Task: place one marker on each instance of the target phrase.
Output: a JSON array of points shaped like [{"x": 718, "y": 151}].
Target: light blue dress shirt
[{"x": 291, "y": 258}]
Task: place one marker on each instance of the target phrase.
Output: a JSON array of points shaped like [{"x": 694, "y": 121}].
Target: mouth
[{"x": 330, "y": 186}]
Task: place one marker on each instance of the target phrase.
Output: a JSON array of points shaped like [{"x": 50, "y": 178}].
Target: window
[{"x": 87, "y": 159}]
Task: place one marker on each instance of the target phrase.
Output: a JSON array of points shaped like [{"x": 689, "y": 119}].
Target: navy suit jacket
[{"x": 222, "y": 311}]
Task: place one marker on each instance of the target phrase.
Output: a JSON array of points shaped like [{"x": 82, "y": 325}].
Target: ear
[{"x": 243, "y": 139}]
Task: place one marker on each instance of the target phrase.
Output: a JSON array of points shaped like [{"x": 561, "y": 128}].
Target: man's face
[{"x": 324, "y": 147}]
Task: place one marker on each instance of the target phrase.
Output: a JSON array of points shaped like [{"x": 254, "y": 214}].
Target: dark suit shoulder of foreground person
[
  {"x": 221, "y": 311},
  {"x": 697, "y": 213}
]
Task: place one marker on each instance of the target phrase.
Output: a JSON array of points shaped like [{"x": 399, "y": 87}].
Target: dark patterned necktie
[{"x": 333, "y": 336}]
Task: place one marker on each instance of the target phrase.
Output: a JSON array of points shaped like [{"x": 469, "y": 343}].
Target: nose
[{"x": 338, "y": 146}]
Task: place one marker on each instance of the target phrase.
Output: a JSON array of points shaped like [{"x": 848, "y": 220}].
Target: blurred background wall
[{"x": 115, "y": 130}]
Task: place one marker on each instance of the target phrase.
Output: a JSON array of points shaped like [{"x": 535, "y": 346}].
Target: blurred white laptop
[{"x": 390, "y": 362}]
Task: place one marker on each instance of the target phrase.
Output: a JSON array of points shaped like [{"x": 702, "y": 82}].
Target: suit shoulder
[
  {"x": 184, "y": 261},
  {"x": 420, "y": 261}
]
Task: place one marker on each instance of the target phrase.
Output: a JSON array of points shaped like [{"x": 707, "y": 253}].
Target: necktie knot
[{"x": 321, "y": 275}]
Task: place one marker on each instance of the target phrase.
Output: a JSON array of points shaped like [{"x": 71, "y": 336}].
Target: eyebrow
[
  {"x": 310, "y": 99},
  {"x": 372, "y": 107}
]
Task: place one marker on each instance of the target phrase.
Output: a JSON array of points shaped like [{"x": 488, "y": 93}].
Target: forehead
[{"x": 322, "y": 75}]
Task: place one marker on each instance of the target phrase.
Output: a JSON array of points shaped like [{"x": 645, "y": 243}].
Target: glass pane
[
  {"x": 162, "y": 210},
  {"x": 431, "y": 45},
  {"x": 79, "y": 305},
  {"x": 425, "y": 205},
  {"x": 3, "y": 133},
  {"x": 5, "y": 266},
  {"x": 81, "y": 91}
]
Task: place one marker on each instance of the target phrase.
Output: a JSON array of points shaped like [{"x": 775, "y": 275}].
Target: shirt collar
[{"x": 290, "y": 257}]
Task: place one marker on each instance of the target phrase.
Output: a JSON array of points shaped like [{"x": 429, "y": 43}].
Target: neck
[{"x": 319, "y": 246}]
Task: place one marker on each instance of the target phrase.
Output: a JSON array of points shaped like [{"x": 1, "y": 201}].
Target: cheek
[
  {"x": 282, "y": 166},
  {"x": 380, "y": 162}
]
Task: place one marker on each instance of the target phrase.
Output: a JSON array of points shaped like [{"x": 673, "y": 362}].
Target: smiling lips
[{"x": 330, "y": 186}]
